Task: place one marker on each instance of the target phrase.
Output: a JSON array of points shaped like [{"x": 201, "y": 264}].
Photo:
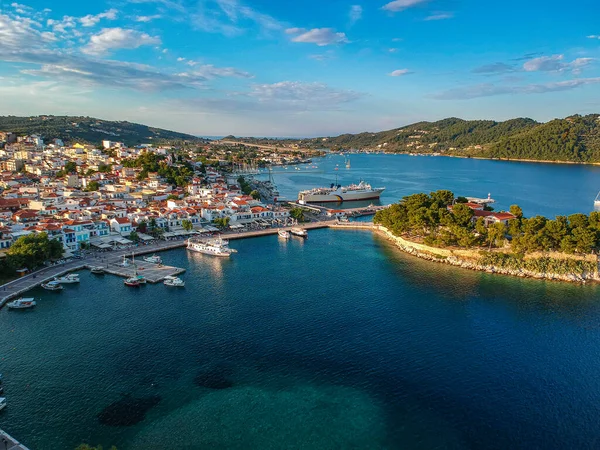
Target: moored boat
[
  {"x": 173, "y": 281},
  {"x": 214, "y": 247},
  {"x": 154, "y": 259},
  {"x": 284, "y": 234},
  {"x": 300, "y": 232},
  {"x": 132, "y": 282},
  {"x": 2, "y": 403},
  {"x": 52, "y": 286},
  {"x": 22, "y": 303},
  {"x": 97, "y": 270},
  {"x": 68, "y": 279}
]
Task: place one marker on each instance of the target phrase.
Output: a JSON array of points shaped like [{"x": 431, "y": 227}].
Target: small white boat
[
  {"x": 132, "y": 282},
  {"x": 68, "y": 279},
  {"x": 2, "y": 403},
  {"x": 597, "y": 201},
  {"x": 284, "y": 234},
  {"x": 154, "y": 259},
  {"x": 52, "y": 286},
  {"x": 125, "y": 262},
  {"x": 22, "y": 303},
  {"x": 173, "y": 281},
  {"x": 97, "y": 270},
  {"x": 300, "y": 232}
]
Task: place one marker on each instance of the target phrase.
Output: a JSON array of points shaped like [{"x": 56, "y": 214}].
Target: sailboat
[
  {"x": 597, "y": 201},
  {"x": 348, "y": 163},
  {"x": 136, "y": 279}
]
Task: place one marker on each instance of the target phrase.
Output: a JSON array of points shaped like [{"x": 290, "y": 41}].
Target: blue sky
[{"x": 310, "y": 68}]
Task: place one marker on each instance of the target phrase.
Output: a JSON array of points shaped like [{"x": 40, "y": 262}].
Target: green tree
[
  {"x": 92, "y": 186},
  {"x": 462, "y": 214},
  {"x": 172, "y": 197},
  {"x": 255, "y": 195},
  {"x": 298, "y": 214},
  {"x": 497, "y": 234},
  {"x": 222, "y": 222},
  {"x": 187, "y": 225},
  {"x": 516, "y": 211},
  {"x": 70, "y": 167},
  {"x": 143, "y": 226},
  {"x": 133, "y": 236},
  {"x": 34, "y": 249}
]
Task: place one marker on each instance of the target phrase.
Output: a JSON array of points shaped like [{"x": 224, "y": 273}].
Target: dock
[{"x": 9, "y": 442}]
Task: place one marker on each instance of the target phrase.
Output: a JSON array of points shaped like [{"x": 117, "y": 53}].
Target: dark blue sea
[{"x": 336, "y": 342}]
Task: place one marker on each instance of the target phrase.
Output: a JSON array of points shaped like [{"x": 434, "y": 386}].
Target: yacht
[
  {"x": 154, "y": 259},
  {"x": 68, "y": 279},
  {"x": 300, "y": 232},
  {"x": 215, "y": 247},
  {"x": 597, "y": 202},
  {"x": 52, "y": 286},
  {"x": 284, "y": 234},
  {"x": 173, "y": 281},
  {"x": 339, "y": 193},
  {"x": 22, "y": 303},
  {"x": 2, "y": 403},
  {"x": 97, "y": 270}
]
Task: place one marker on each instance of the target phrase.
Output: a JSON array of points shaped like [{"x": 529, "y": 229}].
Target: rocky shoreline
[{"x": 451, "y": 257}]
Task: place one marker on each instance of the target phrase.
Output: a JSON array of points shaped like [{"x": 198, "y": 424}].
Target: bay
[{"x": 339, "y": 341}]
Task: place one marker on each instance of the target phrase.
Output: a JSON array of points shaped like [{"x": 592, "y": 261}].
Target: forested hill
[
  {"x": 89, "y": 130},
  {"x": 575, "y": 138}
]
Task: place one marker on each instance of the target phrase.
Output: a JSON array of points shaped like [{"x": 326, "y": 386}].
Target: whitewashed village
[{"x": 90, "y": 197}]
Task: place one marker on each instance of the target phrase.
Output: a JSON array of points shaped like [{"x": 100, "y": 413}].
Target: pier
[{"x": 9, "y": 442}]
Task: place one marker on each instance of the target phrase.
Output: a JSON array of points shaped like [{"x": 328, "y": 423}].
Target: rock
[{"x": 127, "y": 411}]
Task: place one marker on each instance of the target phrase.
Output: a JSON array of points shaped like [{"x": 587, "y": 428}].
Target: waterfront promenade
[{"x": 109, "y": 261}]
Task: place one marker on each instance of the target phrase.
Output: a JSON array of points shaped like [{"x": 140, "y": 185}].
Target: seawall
[{"x": 470, "y": 259}]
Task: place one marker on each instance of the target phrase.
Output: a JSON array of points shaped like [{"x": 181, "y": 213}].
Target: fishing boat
[
  {"x": 22, "y": 303},
  {"x": 154, "y": 259},
  {"x": 173, "y": 281},
  {"x": 68, "y": 279},
  {"x": 2, "y": 403},
  {"x": 132, "y": 282},
  {"x": 97, "y": 270},
  {"x": 300, "y": 232},
  {"x": 284, "y": 234},
  {"x": 52, "y": 286},
  {"x": 214, "y": 247},
  {"x": 141, "y": 279}
]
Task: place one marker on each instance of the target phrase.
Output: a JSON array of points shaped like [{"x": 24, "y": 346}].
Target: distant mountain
[
  {"x": 89, "y": 130},
  {"x": 574, "y": 139}
]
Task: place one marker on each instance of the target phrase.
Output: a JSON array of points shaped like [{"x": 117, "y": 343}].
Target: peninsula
[{"x": 443, "y": 228}]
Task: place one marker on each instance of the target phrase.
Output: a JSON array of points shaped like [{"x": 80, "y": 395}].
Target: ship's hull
[
  {"x": 208, "y": 252},
  {"x": 341, "y": 197}
]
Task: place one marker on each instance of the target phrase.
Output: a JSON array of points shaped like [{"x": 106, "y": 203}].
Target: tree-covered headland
[{"x": 439, "y": 219}]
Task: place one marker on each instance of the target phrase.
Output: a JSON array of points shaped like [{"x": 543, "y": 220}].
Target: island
[{"x": 443, "y": 228}]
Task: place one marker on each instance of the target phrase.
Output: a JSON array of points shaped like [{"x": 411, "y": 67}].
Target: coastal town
[{"x": 84, "y": 196}]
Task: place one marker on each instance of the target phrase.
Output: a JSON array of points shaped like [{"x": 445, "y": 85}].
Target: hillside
[
  {"x": 88, "y": 130},
  {"x": 575, "y": 138}
]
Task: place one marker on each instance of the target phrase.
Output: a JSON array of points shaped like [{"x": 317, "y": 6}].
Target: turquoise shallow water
[{"x": 340, "y": 341}]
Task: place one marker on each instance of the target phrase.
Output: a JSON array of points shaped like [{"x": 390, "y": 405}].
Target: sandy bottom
[{"x": 305, "y": 417}]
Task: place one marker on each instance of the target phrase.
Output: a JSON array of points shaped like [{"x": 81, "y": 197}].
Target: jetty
[{"x": 9, "y": 442}]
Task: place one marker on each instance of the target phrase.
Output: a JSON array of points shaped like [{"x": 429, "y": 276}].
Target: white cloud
[
  {"x": 593, "y": 36},
  {"x": 118, "y": 38},
  {"x": 400, "y": 73},
  {"x": 301, "y": 94},
  {"x": 555, "y": 63},
  {"x": 208, "y": 71},
  {"x": 145, "y": 19},
  {"x": 498, "y": 67},
  {"x": 355, "y": 14},
  {"x": 488, "y": 90},
  {"x": 401, "y": 5},
  {"x": 91, "y": 20},
  {"x": 20, "y": 32},
  {"x": 440, "y": 16},
  {"x": 392, "y": 50},
  {"x": 319, "y": 36}
]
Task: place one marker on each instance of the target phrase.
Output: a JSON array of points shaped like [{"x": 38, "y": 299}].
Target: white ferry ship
[
  {"x": 338, "y": 193},
  {"x": 214, "y": 247}
]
